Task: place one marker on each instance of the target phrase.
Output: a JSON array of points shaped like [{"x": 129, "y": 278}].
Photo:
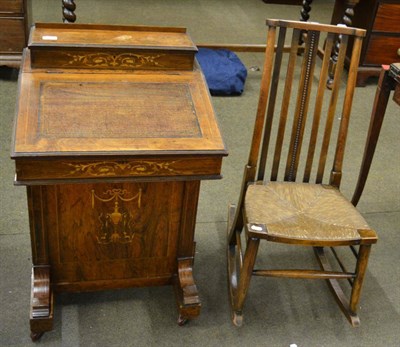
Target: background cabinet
[
  {"x": 381, "y": 19},
  {"x": 14, "y": 30}
]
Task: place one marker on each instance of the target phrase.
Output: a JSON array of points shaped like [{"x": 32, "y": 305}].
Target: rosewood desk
[{"x": 114, "y": 132}]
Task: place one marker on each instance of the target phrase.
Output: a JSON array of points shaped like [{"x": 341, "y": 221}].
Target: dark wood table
[{"x": 389, "y": 80}]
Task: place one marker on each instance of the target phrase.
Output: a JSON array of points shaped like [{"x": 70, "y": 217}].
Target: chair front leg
[
  {"x": 361, "y": 267},
  {"x": 244, "y": 279}
]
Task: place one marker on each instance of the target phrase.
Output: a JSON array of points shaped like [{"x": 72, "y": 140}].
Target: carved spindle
[
  {"x": 348, "y": 21},
  {"x": 290, "y": 174},
  {"x": 348, "y": 16},
  {"x": 68, "y": 9},
  {"x": 305, "y": 15},
  {"x": 305, "y": 11}
]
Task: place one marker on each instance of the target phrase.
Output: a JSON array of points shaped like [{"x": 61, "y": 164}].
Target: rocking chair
[{"x": 280, "y": 209}]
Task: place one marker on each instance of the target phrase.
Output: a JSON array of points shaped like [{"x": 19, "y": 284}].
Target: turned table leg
[
  {"x": 68, "y": 10},
  {"x": 305, "y": 15},
  {"x": 348, "y": 21},
  {"x": 305, "y": 10}
]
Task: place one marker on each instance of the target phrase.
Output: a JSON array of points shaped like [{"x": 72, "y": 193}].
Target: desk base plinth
[{"x": 89, "y": 237}]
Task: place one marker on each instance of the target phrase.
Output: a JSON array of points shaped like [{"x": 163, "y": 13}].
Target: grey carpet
[{"x": 277, "y": 312}]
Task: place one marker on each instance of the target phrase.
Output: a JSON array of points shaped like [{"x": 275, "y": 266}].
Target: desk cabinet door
[{"x": 110, "y": 234}]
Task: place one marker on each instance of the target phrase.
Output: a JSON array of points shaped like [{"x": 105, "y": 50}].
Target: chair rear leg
[
  {"x": 234, "y": 256},
  {"x": 337, "y": 291},
  {"x": 235, "y": 223}
]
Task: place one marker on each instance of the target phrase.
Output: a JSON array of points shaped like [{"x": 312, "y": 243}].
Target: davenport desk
[{"x": 114, "y": 132}]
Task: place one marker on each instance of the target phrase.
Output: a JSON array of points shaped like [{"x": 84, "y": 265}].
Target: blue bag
[{"x": 224, "y": 72}]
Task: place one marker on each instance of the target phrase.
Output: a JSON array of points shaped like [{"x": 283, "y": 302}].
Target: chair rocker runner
[{"x": 281, "y": 209}]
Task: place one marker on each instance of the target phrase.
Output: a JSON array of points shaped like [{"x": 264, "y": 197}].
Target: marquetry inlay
[
  {"x": 116, "y": 225},
  {"x": 114, "y": 168},
  {"x": 109, "y": 60}
]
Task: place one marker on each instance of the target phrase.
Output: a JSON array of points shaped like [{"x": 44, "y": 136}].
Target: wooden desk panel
[
  {"x": 111, "y": 235},
  {"x": 50, "y": 171},
  {"x": 15, "y": 20}
]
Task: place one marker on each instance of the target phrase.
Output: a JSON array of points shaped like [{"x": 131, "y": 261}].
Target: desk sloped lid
[{"x": 99, "y": 114}]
